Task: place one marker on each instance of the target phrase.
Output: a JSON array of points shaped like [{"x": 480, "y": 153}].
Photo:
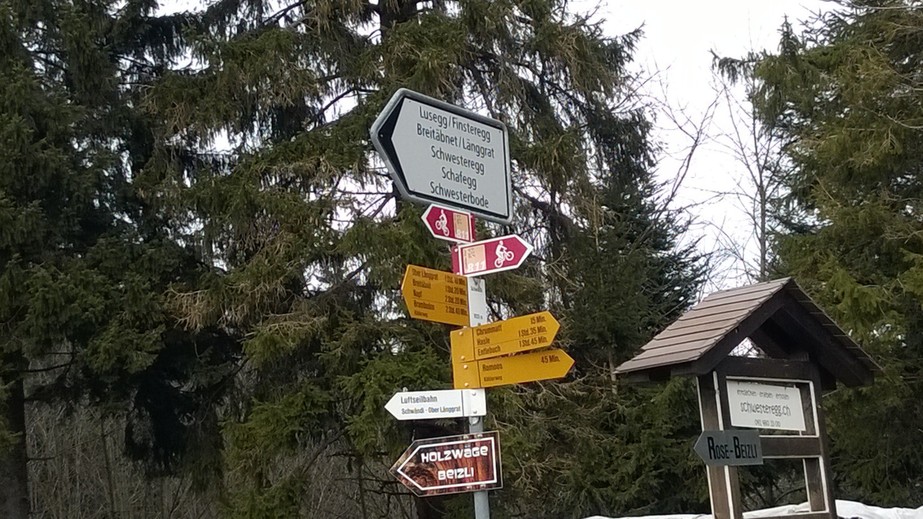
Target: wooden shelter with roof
[{"x": 803, "y": 353}]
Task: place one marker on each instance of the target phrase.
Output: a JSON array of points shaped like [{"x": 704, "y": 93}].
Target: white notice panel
[
  {"x": 765, "y": 406},
  {"x": 452, "y": 158},
  {"x": 438, "y": 403},
  {"x": 477, "y": 302},
  {"x": 443, "y": 154}
]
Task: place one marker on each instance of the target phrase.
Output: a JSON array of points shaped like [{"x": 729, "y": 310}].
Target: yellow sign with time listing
[
  {"x": 434, "y": 295},
  {"x": 515, "y": 369},
  {"x": 516, "y": 335},
  {"x": 500, "y": 353}
]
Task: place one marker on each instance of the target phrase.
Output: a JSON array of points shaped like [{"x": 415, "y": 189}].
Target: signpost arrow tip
[
  {"x": 493, "y": 255},
  {"x": 730, "y": 447},
  {"x": 425, "y": 142}
]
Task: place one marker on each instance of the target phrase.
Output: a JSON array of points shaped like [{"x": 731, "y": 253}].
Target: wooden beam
[
  {"x": 826, "y": 351},
  {"x": 751, "y": 367},
  {"x": 721, "y": 484},
  {"x": 780, "y": 447},
  {"x": 817, "y": 475},
  {"x": 707, "y": 362},
  {"x": 771, "y": 347},
  {"x": 772, "y": 339}
]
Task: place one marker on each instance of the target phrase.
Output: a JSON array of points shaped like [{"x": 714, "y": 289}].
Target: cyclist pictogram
[
  {"x": 503, "y": 255},
  {"x": 442, "y": 223},
  {"x": 493, "y": 255}
]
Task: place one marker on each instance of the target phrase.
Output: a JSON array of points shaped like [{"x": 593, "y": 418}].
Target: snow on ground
[{"x": 845, "y": 509}]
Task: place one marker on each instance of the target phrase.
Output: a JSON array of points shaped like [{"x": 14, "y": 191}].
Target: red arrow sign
[
  {"x": 493, "y": 255},
  {"x": 451, "y": 465},
  {"x": 449, "y": 224}
]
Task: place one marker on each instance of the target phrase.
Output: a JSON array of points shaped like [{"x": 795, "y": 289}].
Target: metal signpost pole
[
  {"x": 438, "y": 153},
  {"x": 481, "y": 503},
  {"x": 477, "y": 313}
]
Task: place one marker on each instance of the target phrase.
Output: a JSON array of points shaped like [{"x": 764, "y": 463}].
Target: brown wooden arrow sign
[{"x": 451, "y": 465}]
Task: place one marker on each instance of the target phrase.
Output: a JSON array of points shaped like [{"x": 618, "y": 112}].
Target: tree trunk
[
  {"x": 14, "y": 477},
  {"x": 391, "y": 13},
  {"x": 430, "y": 507}
]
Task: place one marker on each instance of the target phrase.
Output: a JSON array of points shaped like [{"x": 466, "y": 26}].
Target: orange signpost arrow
[
  {"x": 516, "y": 335},
  {"x": 515, "y": 369},
  {"x": 434, "y": 295},
  {"x": 492, "y": 354}
]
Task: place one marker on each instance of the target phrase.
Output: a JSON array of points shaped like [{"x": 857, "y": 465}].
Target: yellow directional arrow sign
[
  {"x": 434, "y": 295},
  {"x": 524, "y": 333},
  {"x": 515, "y": 369}
]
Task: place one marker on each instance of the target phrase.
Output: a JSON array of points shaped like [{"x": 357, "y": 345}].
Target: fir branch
[
  {"x": 48, "y": 368},
  {"x": 271, "y": 20}
]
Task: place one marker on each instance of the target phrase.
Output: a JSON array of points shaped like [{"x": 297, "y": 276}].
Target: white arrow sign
[
  {"x": 432, "y": 405},
  {"x": 440, "y": 153}
]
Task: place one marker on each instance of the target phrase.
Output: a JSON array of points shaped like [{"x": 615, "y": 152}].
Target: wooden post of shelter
[{"x": 805, "y": 353}]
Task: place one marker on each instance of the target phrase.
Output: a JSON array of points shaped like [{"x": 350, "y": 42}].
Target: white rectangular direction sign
[
  {"x": 765, "y": 406},
  {"x": 443, "y": 154},
  {"x": 435, "y": 404}
]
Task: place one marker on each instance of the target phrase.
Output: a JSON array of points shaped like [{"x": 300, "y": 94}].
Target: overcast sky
[{"x": 675, "y": 52}]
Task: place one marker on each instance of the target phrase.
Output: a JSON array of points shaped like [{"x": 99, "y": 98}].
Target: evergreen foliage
[
  {"x": 262, "y": 161},
  {"x": 195, "y": 235},
  {"x": 846, "y": 95},
  {"x": 85, "y": 262}
]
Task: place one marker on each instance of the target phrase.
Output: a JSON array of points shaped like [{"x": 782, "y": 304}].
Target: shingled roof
[{"x": 777, "y": 316}]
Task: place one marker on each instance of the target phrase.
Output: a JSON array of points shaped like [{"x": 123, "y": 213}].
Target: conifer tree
[
  {"x": 594, "y": 445},
  {"x": 846, "y": 95},
  {"x": 263, "y": 162},
  {"x": 84, "y": 262}
]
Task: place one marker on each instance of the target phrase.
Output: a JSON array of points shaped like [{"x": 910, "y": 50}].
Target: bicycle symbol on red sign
[
  {"x": 503, "y": 255},
  {"x": 442, "y": 223}
]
